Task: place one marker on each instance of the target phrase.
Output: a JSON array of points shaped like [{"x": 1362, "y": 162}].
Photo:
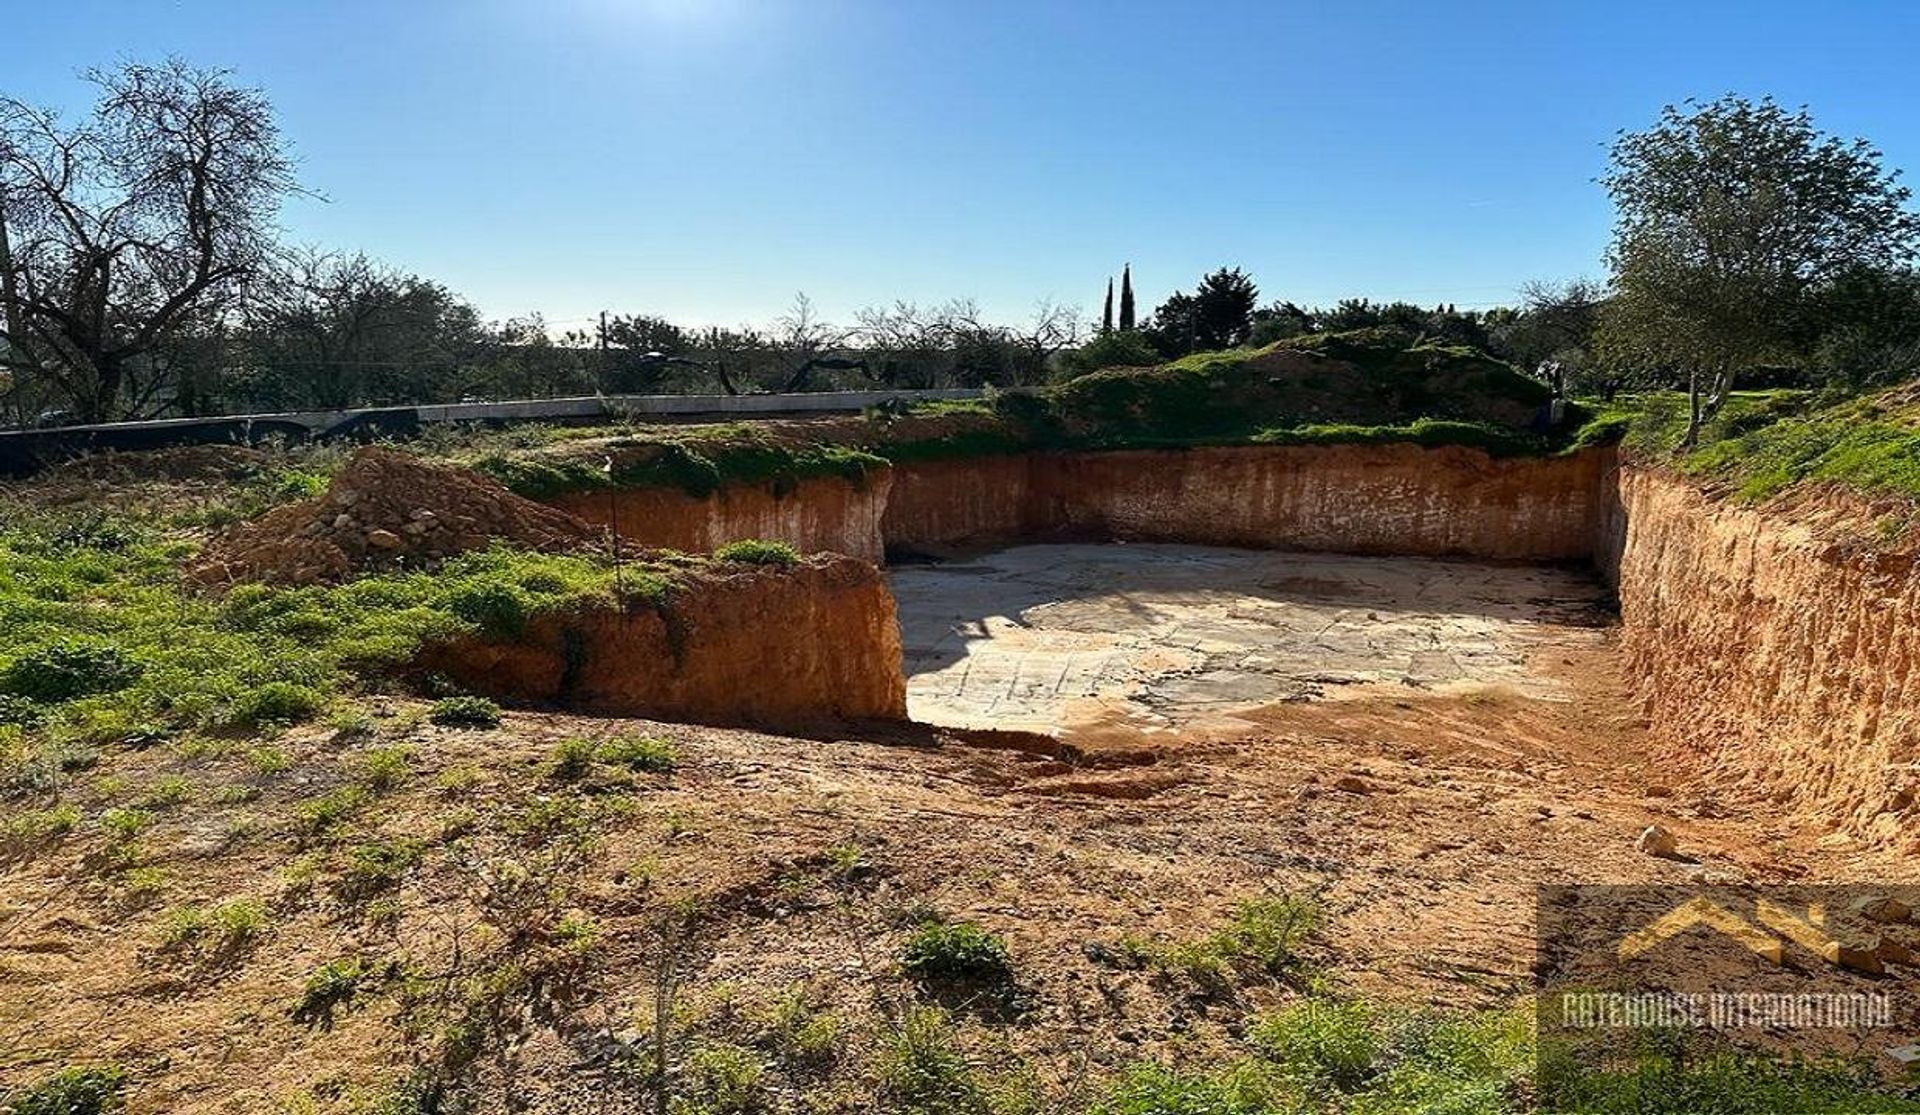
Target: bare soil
[{"x": 1422, "y": 816}]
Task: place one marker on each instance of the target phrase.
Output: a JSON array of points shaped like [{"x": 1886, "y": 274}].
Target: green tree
[
  {"x": 1217, "y": 315},
  {"x": 1106, "y": 310},
  {"x": 1126, "y": 297},
  {"x": 1728, "y": 217}
]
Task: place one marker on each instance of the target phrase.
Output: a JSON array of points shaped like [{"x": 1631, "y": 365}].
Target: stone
[
  {"x": 414, "y": 528},
  {"x": 342, "y": 521},
  {"x": 1657, "y": 841},
  {"x": 345, "y": 497},
  {"x": 384, "y": 539},
  {"x": 1890, "y": 951},
  {"x": 1854, "y": 958},
  {"x": 1883, "y": 908},
  {"x": 422, "y": 515},
  {"x": 1658, "y": 791},
  {"x": 1352, "y": 785}
]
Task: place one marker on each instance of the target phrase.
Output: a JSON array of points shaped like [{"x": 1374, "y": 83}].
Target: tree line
[{"x": 142, "y": 274}]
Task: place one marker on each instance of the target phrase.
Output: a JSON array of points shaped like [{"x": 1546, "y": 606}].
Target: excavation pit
[{"x": 1172, "y": 640}]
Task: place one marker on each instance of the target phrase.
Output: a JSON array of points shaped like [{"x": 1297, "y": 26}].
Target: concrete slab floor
[{"x": 1161, "y": 638}]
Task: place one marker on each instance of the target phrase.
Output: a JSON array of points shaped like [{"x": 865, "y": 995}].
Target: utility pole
[{"x": 601, "y": 369}]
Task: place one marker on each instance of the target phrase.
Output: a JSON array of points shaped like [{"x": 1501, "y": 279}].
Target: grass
[
  {"x": 960, "y": 951},
  {"x": 465, "y": 712},
  {"x": 1262, "y": 936},
  {"x": 1764, "y": 443},
  {"x": 105, "y": 643},
  {"x": 81, "y": 1090},
  {"x": 1368, "y": 387},
  {"x": 217, "y": 931},
  {"x": 755, "y": 551}
]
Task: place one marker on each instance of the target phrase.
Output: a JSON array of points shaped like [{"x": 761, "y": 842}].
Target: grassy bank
[{"x": 1368, "y": 387}]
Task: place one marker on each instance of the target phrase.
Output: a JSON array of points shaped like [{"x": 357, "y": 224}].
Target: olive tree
[
  {"x": 1728, "y": 215},
  {"x": 121, "y": 228}
]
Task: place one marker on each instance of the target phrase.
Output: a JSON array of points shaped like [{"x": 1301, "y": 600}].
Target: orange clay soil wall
[
  {"x": 754, "y": 645},
  {"x": 826, "y": 513},
  {"x": 1780, "y": 647},
  {"x": 1376, "y": 499}
]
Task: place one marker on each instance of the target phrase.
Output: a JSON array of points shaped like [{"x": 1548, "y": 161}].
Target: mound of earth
[{"x": 385, "y": 509}]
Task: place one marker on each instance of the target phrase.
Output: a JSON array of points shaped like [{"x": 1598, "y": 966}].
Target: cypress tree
[
  {"x": 1106, "y": 312},
  {"x": 1126, "y": 297}
]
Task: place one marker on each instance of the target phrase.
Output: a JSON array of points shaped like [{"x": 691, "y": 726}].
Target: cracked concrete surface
[{"x": 1160, "y": 638}]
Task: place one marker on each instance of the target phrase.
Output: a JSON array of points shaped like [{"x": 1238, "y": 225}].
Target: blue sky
[{"x": 706, "y": 159}]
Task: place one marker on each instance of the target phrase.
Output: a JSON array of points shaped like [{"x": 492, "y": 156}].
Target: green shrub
[
  {"x": 383, "y": 769},
  {"x": 330, "y": 987},
  {"x": 755, "y": 551},
  {"x": 465, "y": 712},
  {"x": 1268, "y": 931},
  {"x": 278, "y": 702},
  {"x": 648, "y": 753},
  {"x": 572, "y": 759},
  {"x": 167, "y": 793},
  {"x": 220, "y": 931},
  {"x": 67, "y": 669},
  {"x": 922, "y": 1068},
  {"x": 1326, "y": 1043},
  {"x": 32, "y": 829},
  {"x": 319, "y": 817},
  {"x": 959, "y": 951},
  {"x": 719, "y": 1078},
  {"x": 377, "y": 866},
  {"x": 496, "y": 608},
  {"x": 75, "y": 1091},
  {"x": 1153, "y": 1089}
]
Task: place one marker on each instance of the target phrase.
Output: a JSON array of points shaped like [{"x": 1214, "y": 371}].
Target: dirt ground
[{"x": 1421, "y": 808}]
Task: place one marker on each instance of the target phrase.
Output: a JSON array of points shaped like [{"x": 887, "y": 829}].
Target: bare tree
[{"x": 119, "y": 229}]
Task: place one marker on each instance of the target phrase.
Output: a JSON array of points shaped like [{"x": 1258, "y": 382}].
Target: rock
[
  {"x": 342, "y": 521},
  {"x": 422, "y": 515},
  {"x": 1883, "y": 909},
  {"x": 414, "y": 528},
  {"x": 1890, "y": 951},
  {"x": 384, "y": 539},
  {"x": 1352, "y": 785},
  {"x": 1658, "y": 791},
  {"x": 345, "y": 497},
  {"x": 1657, "y": 841},
  {"x": 1855, "y": 958}
]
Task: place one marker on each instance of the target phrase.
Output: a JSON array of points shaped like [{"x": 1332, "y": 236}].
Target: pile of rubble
[{"x": 384, "y": 510}]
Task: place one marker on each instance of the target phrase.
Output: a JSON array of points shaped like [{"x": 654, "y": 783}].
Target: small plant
[
  {"x": 1150, "y": 1089},
  {"x": 33, "y": 829},
  {"x": 75, "y": 1091},
  {"x": 383, "y": 769},
  {"x": 141, "y": 886},
  {"x": 465, "y": 712},
  {"x": 167, "y": 793},
  {"x": 645, "y": 753},
  {"x": 956, "y": 951},
  {"x": 123, "y": 825},
  {"x": 1326, "y": 1043},
  {"x": 755, "y": 551},
  {"x": 722, "y": 1079},
  {"x": 1268, "y": 931},
  {"x": 377, "y": 866},
  {"x": 217, "y": 932},
  {"x": 278, "y": 702},
  {"x": 923, "y": 1068},
  {"x": 572, "y": 759},
  {"x": 331, "y": 986},
  {"x": 268, "y": 759},
  {"x": 804, "y": 1038},
  {"x": 350, "y": 724},
  {"x": 65, "y": 670},
  {"x": 320, "y": 816}
]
